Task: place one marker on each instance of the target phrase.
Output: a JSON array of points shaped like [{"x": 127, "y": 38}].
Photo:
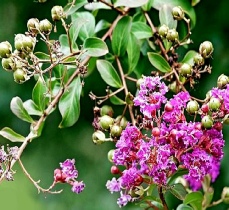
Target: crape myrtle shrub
[{"x": 165, "y": 139}]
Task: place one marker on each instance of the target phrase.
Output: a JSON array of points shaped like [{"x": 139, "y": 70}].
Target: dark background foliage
[{"x": 43, "y": 155}]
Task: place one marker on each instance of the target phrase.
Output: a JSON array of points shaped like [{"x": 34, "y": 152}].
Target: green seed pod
[
  {"x": 186, "y": 70},
  {"x": 18, "y": 41},
  {"x": 116, "y": 131},
  {"x": 198, "y": 59},
  {"x": 5, "y": 49},
  {"x": 222, "y": 81},
  {"x": 106, "y": 122},
  {"x": 123, "y": 122},
  {"x": 172, "y": 35},
  {"x": 163, "y": 30},
  {"x": 8, "y": 64},
  {"x": 19, "y": 76},
  {"x": 24, "y": 43},
  {"x": 192, "y": 107},
  {"x": 207, "y": 122},
  {"x": 45, "y": 27},
  {"x": 98, "y": 137},
  {"x": 206, "y": 49},
  {"x": 106, "y": 110},
  {"x": 214, "y": 104},
  {"x": 178, "y": 13},
  {"x": 225, "y": 195},
  {"x": 110, "y": 155},
  {"x": 33, "y": 25},
  {"x": 57, "y": 13}
]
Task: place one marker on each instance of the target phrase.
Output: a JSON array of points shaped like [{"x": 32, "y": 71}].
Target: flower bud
[
  {"x": 129, "y": 99},
  {"x": 172, "y": 35},
  {"x": 139, "y": 82},
  {"x": 20, "y": 54},
  {"x": 57, "y": 13},
  {"x": 225, "y": 195},
  {"x": 222, "y": 81},
  {"x": 163, "y": 30},
  {"x": 5, "y": 49},
  {"x": 186, "y": 70},
  {"x": 122, "y": 123},
  {"x": 115, "y": 170},
  {"x": 106, "y": 122},
  {"x": 8, "y": 64},
  {"x": 33, "y": 25},
  {"x": 214, "y": 104},
  {"x": 198, "y": 59},
  {"x": 156, "y": 131},
  {"x": 98, "y": 137},
  {"x": 106, "y": 110},
  {"x": 178, "y": 13},
  {"x": 205, "y": 108},
  {"x": 20, "y": 76},
  {"x": 207, "y": 122},
  {"x": 116, "y": 131},
  {"x": 45, "y": 27},
  {"x": 24, "y": 43},
  {"x": 110, "y": 155},
  {"x": 206, "y": 49},
  {"x": 192, "y": 107}
]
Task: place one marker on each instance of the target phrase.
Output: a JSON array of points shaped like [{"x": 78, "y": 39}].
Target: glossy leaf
[
  {"x": 159, "y": 62},
  {"x": 42, "y": 56},
  {"x": 101, "y": 25},
  {"x": 116, "y": 100},
  {"x": 95, "y": 47},
  {"x": 119, "y": 37},
  {"x": 178, "y": 190},
  {"x": 16, "y": 105},
  {"x": 141, "y": 30},
  {"x": 147, "y": 6},
  {"x": 195, "y": 2},
  {"x": 179, "y": 172},
  {"x": 139, "y": 17},
  {"x": 65, "y": 45},
  {"x": 194, "y": 199},
  {"x": 88, "y": 28},
  {"x": 11, "y": 135},
  {"x": 133, "y": 52},
  {"x": 32, "y": 108},
  {"x": 69, "y": 104},
  {"x": 108, "y": 73},
  {"x": 75, "y": 29},
  {"x": 70, "y": 9},
  {"x": 39, "y": 94},
  {"x": 186, "y": 5},
  {"x": 188, "y": 58},
  {"x": 165, "y": 16},
  {"x": 130, "y": 3},
  {"x": 97, "y": 5},
  {"x": 184, "y": 207}
]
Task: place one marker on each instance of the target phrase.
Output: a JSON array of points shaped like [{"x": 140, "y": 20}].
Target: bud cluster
[{"x": 6, "y": 156}]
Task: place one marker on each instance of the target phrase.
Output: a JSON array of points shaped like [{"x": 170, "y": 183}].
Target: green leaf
[
  {"x": 95, "y": 47},
  {"x": 97, "y": 5},
  {"x": 146, "y": 7},
  {"x": 139, "y": 17},
  {"x": 101, "y": 25},
  {"x": 16, "y": 105},
  {"x": 116, "y": 100},
  {"x": 11, "y": 135},
  {"x": 38, "y": 94},
  {"x": 32, "y": 108},
  {"x": 178, "y": 190},
  {"x": 130, "y": 3},
  {"x": 159, "y": 62},
  {"x": 133, "y": 52},
  {"x": 65, "y": 45},
  {"x": 178, "y": 173},
  {"x": 194, "y": 199},
  {"x": 120, "y": 36},
  {"x": 42, "y": 56},
  {"x": 186, "y": 5},
  {"x": 88, "y": 28},
  {"x": 165, "y": 16},
  {"x": 188, "y": 58},
  {"x": 75, "y": 29},
  {"x": 108, "y": 73},
  {"x": 70, "y": 9},
  {"x": 141, "y": 30},
  {"x": 184, "y": 207},
  {"x": 69, "y": 104},
  {"x": 195, "y": 2}
]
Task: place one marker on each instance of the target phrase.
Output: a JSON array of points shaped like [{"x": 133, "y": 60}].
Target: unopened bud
[
  {"x": 106, "y": 110},
  {"x": 57, "y": 13},
  {"x": 192, "y": 107},
  {"x": 225, "y": 195},
  {"x": 186, "y": 70},
  {"x": 5, "y": 49},
  {"x": 207, "y": 122},
  {"x": 198, "y": 59},
  {"x": 206, "y": 49},
  {"x": 45, "y": 27},
  {"x": 20, "y": 76},
  {"x": 214, "y": 104},
  {"x": 116, "y": 131},
  {"x": 222, "y": 81},
  {"x": 178, "y": 13},
  {"x": 172, "y": 35},
  {"x": 163, "y": 30},
  {"x": 106, "y": 122},
  {"x": 110, "y": 155},
  {"x": 33, "y": 25},
  {"x": 98, "y": 137},
  {"x": 8, "y": 64}
]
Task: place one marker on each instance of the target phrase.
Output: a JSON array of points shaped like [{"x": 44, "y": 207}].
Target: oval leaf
[
  {"x": 159, "y": 62},
  {"x": 11, "y": 135},
  {"x": 108, "y": 73},
  {"x": 70, "y": 9},
  {"x": 141, "y": 30},
  {"x": 184, "y": 207},
  {"x": 101, "y": 25},
  {"x": 16, "y": 105},
  {"x": 178, "y": 190},
  {"x": 42, "y": 56},
  {"x": 69, "y": 104},
  {"x": 95, "y": 47},
  {"x": 194, "y": 199},
  {"x": 116, "y": 100},
  {"x": 165, "y": 17},
  {"x": 130, "y": 3},
  {"x": 39, "y": 94},
  {"x": 32, "y": 108},
  {"x": 120, "y": 36},
  {"x": 188, "y": 58}
]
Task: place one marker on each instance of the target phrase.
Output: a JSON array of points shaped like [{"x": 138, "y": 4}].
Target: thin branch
[{"x": 122, "y": 12}]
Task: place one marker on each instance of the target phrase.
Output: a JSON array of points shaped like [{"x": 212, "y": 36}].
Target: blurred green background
[{"x": 44, "y": 154}]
